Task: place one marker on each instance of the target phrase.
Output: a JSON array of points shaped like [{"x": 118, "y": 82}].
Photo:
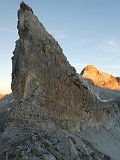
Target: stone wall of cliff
[{"x": 44, "y": 84}]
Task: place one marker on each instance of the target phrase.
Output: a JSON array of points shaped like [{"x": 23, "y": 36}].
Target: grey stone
[
  {"x": 66, "y": 146},
  {"x": 44, "y": 84},
  {"x": 48, "y": 157}
]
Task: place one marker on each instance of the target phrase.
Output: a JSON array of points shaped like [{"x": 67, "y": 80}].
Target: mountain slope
[
  {"x": 100, "y": 78},
  {"x": 101, "y": 92},
  {"x": 7, "y": 104},
  {"x": 1, "y": 95}
]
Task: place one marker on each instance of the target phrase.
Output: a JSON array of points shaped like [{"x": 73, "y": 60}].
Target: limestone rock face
[
  {"x": 44, "y": 84},
  {"x": 100, "y": 78}
]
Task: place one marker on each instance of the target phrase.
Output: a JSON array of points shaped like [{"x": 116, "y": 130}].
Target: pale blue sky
[{"x": 87, "y": 30}]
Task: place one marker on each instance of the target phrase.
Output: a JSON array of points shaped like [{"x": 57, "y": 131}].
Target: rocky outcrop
[
  {"x": 52, "y": 100},
  {"x": 7, "y": 104},
  {"x": 35, "y": 143},
  {"x": 44, "y": 84},
  {"x": 100, "y": 78}
]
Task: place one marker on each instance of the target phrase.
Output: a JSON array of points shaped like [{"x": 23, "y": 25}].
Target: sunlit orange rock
[
  {"x": 1, "y": 96},
  {"x": 100, "y": 78}
]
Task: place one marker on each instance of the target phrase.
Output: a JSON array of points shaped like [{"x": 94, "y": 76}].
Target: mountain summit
[{"x": 100, "y": 78}]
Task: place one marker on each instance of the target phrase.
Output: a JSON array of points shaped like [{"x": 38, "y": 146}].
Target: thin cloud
[
  {"x": 7, "y": 30},
  {"x": 84, "y": 40},
  {"x": 80, "y": 65},
  {"x": 113, "y": 45},
  {"x": 110, "y": 66}
]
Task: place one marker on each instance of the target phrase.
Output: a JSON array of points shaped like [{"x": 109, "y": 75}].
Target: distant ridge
[
  {"x": 100, "y": 78},
  {"x": 1, "y": 96}
]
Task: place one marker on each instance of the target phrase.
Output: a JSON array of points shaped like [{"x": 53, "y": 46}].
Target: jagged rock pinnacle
[
  {"x": 42, "y": 78},
  {"x": 24, "y": 6}
]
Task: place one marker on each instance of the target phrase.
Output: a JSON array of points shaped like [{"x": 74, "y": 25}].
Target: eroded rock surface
[
  {"x": 32, "y": 142},
  {"x": 44, "y": 84}
]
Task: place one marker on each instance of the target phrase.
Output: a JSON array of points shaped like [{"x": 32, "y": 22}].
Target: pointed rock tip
[
  {"x": 88, "y": 68},
  {"x": 24, "y": 6}
]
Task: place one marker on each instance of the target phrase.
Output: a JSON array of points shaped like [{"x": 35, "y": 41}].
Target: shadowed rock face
[
  {"x": 100, "y": 78},
  {"x": 7, "y": 104},
  {"x": 42, "y": 77}
]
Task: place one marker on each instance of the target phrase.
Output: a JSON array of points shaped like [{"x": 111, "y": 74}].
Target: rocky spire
[
  {"x": 44, "y": 84},
  {"x": 24, "y": 7}
]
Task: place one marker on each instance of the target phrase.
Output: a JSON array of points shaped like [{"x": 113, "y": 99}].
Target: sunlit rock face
[
  {"x": 1, "y": 96},
  {"x": 100, "y": 78},
  {"x": 44, "y": 84}
]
